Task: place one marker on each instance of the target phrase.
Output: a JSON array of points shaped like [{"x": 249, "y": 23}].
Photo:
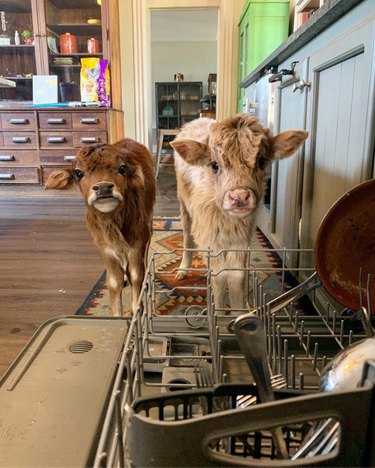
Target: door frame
[{"x": 226, "y": 59}]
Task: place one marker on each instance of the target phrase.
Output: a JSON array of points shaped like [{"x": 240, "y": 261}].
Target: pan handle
[
  {"x": 275, "y": 305},
  {"x": 295, "y": 293}
]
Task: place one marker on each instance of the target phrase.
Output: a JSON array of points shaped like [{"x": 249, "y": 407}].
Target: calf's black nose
[{"x": 102, "y": 189}]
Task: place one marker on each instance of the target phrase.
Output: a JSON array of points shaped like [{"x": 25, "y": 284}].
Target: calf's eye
[
  {"x": 78, "y": 173},
  {"x": 262, "y": 162},
  {"x": 215, "y": 167},
  {"x": 122, "y": 169}
]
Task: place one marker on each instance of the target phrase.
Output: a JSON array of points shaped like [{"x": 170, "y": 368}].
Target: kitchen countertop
[
  {"x": 28, "y": 105},
  {"x": 321, "y": 19}
]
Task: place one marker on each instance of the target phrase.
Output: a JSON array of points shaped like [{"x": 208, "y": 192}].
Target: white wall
[
  {"x": 195, "y": 60},
  {"x": 135, "y": 50}
]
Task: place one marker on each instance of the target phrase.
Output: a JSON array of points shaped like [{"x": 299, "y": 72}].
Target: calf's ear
[
  {"x": 286, "y": 143},
  {"x": 193, "y": 152},
  {"x": 60, "y": 179}
]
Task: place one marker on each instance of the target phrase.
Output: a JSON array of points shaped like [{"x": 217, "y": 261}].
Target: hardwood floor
[{"x": 48, "y": 263}]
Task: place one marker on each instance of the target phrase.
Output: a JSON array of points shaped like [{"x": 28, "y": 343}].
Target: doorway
[
  {"x": 183, "y": 42},
  {"x": 136, "y": 59}
]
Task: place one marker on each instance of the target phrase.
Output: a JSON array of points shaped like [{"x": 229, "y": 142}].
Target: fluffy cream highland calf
[{"x": 222, "y": 169}]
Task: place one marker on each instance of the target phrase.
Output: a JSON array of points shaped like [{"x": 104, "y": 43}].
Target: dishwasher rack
[{"x": 186, "y": 368}]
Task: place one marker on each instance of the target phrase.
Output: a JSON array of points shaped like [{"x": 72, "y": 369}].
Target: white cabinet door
[
  {"x": 286, "y": 180},
  {"x": 339, "y": 151}
]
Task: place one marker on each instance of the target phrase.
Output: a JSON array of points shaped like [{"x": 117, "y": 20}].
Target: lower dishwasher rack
[{"x": 181, "y": 378}]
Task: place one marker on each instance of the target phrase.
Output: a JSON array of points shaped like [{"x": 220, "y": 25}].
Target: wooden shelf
[
  {"x": 78, "y": 54},
  {"x": 77, "y": 29},
  {"x": 19, "y": 77},
  {"x": 65, "y": 66},
  {"x": 21, "y": 46}
]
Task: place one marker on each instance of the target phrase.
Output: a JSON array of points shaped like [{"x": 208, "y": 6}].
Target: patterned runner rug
[{"x": 174, "y": 297}]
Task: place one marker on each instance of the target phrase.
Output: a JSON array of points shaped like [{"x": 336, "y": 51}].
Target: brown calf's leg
[
  {"x": 136, "y": 273},
  {"x": 115, "y": 283}
]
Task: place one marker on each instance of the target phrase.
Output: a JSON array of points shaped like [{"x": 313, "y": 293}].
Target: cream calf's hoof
[{"x": 180, "y": 275}]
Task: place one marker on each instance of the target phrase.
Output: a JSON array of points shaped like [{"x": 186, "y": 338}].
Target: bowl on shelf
[{"x": 94, "y": 21}]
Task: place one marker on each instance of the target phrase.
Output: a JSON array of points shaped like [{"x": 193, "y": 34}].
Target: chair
[{"x": 161, "y": 134}]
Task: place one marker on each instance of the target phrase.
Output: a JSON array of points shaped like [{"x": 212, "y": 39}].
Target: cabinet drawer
[
  {"x": 88, "y": 138},
  {"x": 56, "y": 139},
  {"x": 19, "y": 140},
  {"x": 18, "y": 121},
  {"x": 89, "y": 120},
  {"x": 54, "y": 120},
  {"x": 18, "y": 158},
  {"x": 19, "y": 175},
  {"x": 57, "y": 156}
]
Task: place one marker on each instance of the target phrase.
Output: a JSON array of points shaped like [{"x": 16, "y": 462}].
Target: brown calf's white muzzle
[
  {"x": 239, "y": 202},
  {"x": 104, "y": 197}
]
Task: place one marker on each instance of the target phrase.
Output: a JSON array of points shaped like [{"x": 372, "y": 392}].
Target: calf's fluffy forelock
[{"x": 239, "y": 141}]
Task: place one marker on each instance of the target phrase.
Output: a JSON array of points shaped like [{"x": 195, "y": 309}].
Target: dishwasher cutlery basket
[{"x": 191, "y": 428}]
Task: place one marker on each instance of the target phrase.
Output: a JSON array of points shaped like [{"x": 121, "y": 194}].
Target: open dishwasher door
[{"x": 54, "y": 396}]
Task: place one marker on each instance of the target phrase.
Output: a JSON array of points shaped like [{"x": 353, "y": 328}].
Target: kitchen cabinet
[
  {"x": 34, "y": 142},
  {"x": 285, "y": 188},
  {"x": 31, "y": 42},
  {"x": 263, "y": 26},
  {"x": 332, "y": 96}
]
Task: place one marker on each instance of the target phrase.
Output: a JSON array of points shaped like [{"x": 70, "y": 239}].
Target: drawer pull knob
[
  {"x": 7, "y": 157},
  {"x": 57, "y": 121},
  {"x": 89, "y": 139},
  {"x": 69, "y": 158},
  {"x": 19, "y": 121},
  {"x": 20, "y": 139},
  {"x": 56, "y": 139},
  {"x": 7, "y": 176},
  {"x": 89, "y": 120}
]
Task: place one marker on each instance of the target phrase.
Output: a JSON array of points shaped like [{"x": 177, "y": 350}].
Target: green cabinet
[{"x": 263, "y": 26}]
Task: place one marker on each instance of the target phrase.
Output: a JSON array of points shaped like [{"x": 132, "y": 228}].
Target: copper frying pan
[{"x": 345, "y": 248}]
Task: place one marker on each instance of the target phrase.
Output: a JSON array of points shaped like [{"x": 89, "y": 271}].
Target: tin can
[
  {"x": 93, "y": 46},
  {"x": 68, "y": 44}
]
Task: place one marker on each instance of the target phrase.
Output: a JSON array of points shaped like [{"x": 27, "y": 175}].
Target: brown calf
[
  {"x": 222, "y": 169},
  {"x": 118, "y": 186}
]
